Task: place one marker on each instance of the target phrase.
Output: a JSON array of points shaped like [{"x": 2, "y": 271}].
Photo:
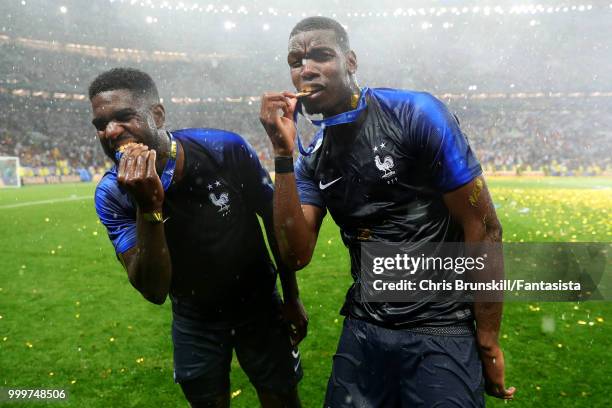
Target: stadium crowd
[
  {"x": 45, "y": 70},
  {"x": 58, "y": 135}
]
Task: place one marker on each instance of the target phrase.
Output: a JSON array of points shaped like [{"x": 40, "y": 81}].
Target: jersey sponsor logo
[
  {"x": 324, "y": 186},
  {"x": 385, "y": 165},
  {"x": 221, "y": 201}
]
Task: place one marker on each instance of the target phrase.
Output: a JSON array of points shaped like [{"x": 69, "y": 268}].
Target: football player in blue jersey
[
  {"x": 180, "y": 208},
  {"x": 389, "y": 166}
]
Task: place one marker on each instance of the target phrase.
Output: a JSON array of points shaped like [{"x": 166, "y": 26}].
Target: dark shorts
[
  {"x": 203, "y": 353},
  {"x": 379, "y": 367}
]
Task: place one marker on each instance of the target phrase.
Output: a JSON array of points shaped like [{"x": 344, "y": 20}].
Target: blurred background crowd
[{"x": 530, "y": 84}]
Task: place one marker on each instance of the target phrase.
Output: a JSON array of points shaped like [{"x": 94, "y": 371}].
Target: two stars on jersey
[
  {"x": 385, "y": 164},
  {"x": 221, "y": 200}
]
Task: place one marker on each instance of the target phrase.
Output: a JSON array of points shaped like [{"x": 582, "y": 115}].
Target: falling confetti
[{"x": 236, "y": 393}]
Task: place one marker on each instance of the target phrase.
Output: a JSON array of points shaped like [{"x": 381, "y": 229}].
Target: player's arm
[
  {"x": 148, "y": 263},
  {"x": 259, "y": 195},
  {"x": 296, "y": 226},
  {"x": 292, "y": 309},
  {"x": 472, "y": 207}
]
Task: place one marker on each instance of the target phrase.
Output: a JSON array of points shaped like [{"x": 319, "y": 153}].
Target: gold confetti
[
  {"x": 4, "y": 338},
  {"x": 46, "y": 219},
  {"x": 600, "y": 320},
  {"x": 30, "y": 345},
  {"x": 95, "y": 233},
  {"x": 77, "y": 303},
  {"x": 72, "y": 382},
  {"x": 560, "y": 345},
  {"x": 581, "y": 322},
  {"x": 51, "y": 374},
  {"x": 236, "y": 393},
  {"x": 538, "y": 387},
  {"x": 112, "y": 339},
  {"x": 76, "y": 316},
  {"x": 140, "y": 360}
]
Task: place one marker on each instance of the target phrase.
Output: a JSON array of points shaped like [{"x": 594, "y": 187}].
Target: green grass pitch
[{"x": 69, "y": 318}]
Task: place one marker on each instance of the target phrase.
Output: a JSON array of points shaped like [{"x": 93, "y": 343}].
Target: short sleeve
[
  {"x": 433, "y": 128},
  {"x": 117, "y": 214},
  {"x": 307, "y": 188},
  {"x": 258, "y": 186}
]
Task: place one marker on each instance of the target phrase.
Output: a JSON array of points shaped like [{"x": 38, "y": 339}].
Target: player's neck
[
  {"x": 348, "y": 102},
  {"x": 163, "y": 150}
]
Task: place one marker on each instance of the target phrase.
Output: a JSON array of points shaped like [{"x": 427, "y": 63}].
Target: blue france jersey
[
  {"x": 218, "y": 253},
  {"x": 383, "y": 180}
]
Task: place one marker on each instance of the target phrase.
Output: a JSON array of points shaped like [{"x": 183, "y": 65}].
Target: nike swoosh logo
[{"x": 324, "y": 186}]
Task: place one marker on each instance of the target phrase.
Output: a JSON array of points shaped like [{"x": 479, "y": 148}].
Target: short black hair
[
  {"x": 323, "y": 23},
  {"x": 139, "y": 83}
]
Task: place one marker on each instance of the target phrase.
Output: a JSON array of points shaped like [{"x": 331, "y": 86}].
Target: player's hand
[
  {"x": 280, "y": 128},
  {"x": 493, "y": 369},
  {"x": 138, "y": 176},
  {"x": 295, "y": 316}
]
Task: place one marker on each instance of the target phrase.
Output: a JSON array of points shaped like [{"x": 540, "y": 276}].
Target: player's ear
[
  {"x": 159, "y": 115},
  {"x": 351, "y": 62}
]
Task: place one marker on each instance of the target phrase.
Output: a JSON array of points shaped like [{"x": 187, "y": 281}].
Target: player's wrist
[
  {"x": 283, "y": 164},
  {"x": 152, "y": 214},
  {"x": 487, "y": 340},
  {"x": 154, "y": 217}
]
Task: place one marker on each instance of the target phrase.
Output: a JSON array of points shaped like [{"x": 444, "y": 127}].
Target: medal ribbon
[{"x": 342, "y": 118}]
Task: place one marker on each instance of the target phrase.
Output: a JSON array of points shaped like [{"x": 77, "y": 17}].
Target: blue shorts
[
  {"x": 379, "y": 367},
  {"x": 203, "y": 354}
]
